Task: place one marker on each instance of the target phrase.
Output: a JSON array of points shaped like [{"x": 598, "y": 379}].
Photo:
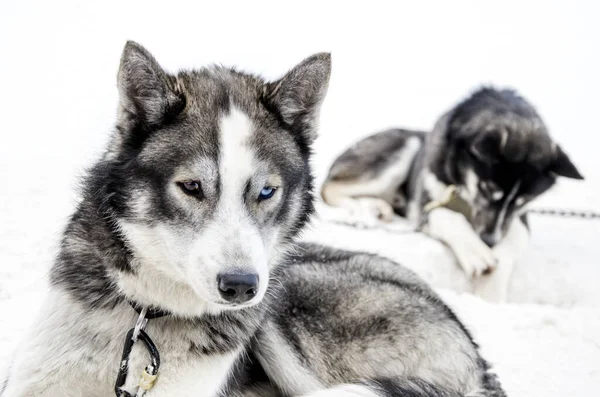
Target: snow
[{"x": 395, "y": 63}]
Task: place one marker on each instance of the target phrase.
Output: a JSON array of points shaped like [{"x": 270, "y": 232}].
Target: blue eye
[{"x": 266, "y": 193}]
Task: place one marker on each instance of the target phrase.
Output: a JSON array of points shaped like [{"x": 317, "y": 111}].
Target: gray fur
[
  {"x": 368, "y": 157},
  {"x": 349, "y": 317}
]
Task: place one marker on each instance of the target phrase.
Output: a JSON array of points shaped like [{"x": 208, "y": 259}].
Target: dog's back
[
  {"x": 370, "y": 177},
  {"x": 345, "y": 315}
]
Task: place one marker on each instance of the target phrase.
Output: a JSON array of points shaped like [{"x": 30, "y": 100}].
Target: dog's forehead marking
[{"x": 236, "y": 159}]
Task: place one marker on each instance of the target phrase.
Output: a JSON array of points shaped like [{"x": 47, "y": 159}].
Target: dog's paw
[
  {"x": 474, "y": 256},
  {"x": 494, "y": 287}
]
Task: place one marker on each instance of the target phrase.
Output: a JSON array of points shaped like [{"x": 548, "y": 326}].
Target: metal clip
[
  {"x": 140, "y": 324},
  {"x": 150, "y": 374},
  {"x": 147, "y": 380}
]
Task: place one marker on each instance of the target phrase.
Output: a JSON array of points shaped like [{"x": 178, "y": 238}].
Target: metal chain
[
  {"x": 380, "y": 226},
  {"x": 565, "y": 213},
  {"x": 558, "y": 212}
]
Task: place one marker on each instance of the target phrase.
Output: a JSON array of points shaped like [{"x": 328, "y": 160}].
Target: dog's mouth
[
  {"x": 235, "y": 291},
  {"x": 236, "y": 306},
  {"x": 223, "y": 304}
]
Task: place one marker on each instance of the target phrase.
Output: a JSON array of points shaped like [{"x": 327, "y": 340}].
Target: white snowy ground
[{"x": 394, "y": 63}]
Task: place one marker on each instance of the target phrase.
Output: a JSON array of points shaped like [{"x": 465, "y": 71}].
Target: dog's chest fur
[{"x": 196, "y": 355}]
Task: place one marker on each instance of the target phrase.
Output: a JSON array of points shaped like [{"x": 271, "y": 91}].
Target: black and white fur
[
  {"x": 175, "y": 203},
  {"x": 493, "y": 146}
]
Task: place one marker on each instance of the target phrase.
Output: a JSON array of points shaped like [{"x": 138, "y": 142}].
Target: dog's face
[
  {"x": 211, "y": 172},
  {"x": 505, "y": 159}
]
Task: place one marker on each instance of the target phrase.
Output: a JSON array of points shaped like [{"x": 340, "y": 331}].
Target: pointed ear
[
  {"x": 562, "y": 165},
  {"x": 299, "y": 94},
  {"x": 145, "y": 90}
]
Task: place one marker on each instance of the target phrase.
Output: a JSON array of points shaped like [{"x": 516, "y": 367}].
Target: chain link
[
  {"x": 565, "y": 213},
  {"x": 557, "y": 212}
]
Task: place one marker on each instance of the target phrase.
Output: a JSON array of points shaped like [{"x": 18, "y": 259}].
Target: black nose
[
  {"x": 490, "y": 239},
  {"x": 238, "y": 288}
]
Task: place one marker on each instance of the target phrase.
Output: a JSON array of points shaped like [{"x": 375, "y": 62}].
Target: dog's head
[
  {"x": 208, "y": 173},
  {"x": 503, "y": 156}
]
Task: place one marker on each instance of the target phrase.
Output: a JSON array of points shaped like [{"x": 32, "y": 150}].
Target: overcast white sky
[{"x": 395, "y": 63}]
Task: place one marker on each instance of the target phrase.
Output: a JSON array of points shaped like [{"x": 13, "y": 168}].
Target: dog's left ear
[
  {"x": 146, "y": 91},
  {"x": 562, "y": 165},
  {"x": 299, "y": 94}
]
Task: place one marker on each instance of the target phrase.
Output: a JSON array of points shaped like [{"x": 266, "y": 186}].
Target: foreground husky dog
[
  {"x": 492, "y": 150},
  {"x": 192, "y": 214}
]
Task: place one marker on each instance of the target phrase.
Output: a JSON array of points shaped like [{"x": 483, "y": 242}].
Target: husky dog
[
  {"x": 191, "y": 215},
  {"x": 492, "y": 149}
]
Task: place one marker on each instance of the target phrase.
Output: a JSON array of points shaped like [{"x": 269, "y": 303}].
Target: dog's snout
[
  {"x": 490, "y": 239},
  {"x": 238, "y": 288}
]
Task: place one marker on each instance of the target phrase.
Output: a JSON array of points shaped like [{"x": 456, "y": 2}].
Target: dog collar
[{"x": 151, "y": 311}]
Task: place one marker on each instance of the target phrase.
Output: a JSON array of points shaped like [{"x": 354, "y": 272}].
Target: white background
[{"x": 394, "y": 64}]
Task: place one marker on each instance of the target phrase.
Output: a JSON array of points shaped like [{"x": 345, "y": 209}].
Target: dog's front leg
[
  {"x": 453, "y": 229},
  {"x": 494, "y": 287}
]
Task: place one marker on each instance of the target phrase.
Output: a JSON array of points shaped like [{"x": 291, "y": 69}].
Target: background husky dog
[
  {"x": 493, "y": 146},
  {"x": 193, "y": 210}
]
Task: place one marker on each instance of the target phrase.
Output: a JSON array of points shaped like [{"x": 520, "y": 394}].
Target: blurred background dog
[{"x": 468, "y": 182}]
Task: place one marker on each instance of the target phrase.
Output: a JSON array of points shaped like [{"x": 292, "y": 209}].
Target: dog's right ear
[
  {"x": 299, "y": 94},
  {"x": 562, "y": 165},
  {"x": 146, "y": 91}
]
